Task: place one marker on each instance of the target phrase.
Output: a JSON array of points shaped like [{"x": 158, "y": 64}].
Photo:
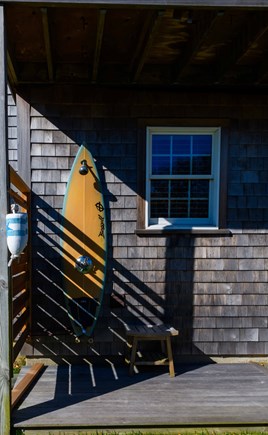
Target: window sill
[{"x": 190, "y": 231}]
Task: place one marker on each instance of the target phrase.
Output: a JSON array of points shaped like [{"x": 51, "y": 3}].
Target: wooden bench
[{"x": 162, "y": 333}]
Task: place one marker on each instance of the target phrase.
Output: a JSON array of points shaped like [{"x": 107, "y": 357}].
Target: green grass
[
  {"x": 167, "y": 432},
  {"x": 17, "y": 365},
  {"x": 179, "y": 432}
]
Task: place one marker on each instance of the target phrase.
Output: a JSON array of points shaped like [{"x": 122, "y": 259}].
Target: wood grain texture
[
  {"x": 160, "y": 333},
  {"x": 105, "y": 396},
  {"x": 24, "y": 142},
  {"x": 25, "y": 383},
  {"x": 5, "y": 305}
]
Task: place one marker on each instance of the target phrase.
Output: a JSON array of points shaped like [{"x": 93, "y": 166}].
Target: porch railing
[{"x": 21, "y": 270}]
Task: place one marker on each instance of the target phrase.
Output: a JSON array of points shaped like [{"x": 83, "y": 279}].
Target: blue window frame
[{"x": 182, "y": 177}]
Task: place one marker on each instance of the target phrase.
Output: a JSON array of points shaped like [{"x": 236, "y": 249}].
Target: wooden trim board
[
  {"x": 20, "y": 389},
  {"x": 5, "y": 282},
  {"x": 186, "y": 3}
]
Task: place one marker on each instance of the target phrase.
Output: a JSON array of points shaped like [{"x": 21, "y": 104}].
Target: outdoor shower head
[{"x": 84, "y": 168}]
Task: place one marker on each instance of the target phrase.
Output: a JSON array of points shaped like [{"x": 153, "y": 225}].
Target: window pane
[
  {"x": 199, "y": 209},
  {"x": 159, "y": 209},
  {"x": 179, "y": 189},
  {"x": 181, "y": 144},
  {"x": 202, "y": 144},
  {"x": 199, "y": 189},
  {"x": 180, "y": 165},
  {"x": 160, "y": 165},
  {"x": 159, "y": 189},
  {"x": 201, "y": 165},
  {"x": 161, "y": 144},
  {"x": 199, "y": 198},
  {"x": 179, "y": 209}
]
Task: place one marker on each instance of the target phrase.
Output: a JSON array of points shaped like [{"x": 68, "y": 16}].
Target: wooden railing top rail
[{"x": 18, "y": 181}]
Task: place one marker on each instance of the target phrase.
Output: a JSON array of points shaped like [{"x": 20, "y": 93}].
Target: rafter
[
  {"x": 99, "y": 38},
  {"x": 250, "y": 34},
  {"x": 150, "y": 28},
  {"x": 142, "y": 34},
  {"x": 47, "y": 43},
  {"x": 203, "y": 29}
]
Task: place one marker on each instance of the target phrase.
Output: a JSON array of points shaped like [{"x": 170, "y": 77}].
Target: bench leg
[
  {"x": 170, "y": 358},
  {"x": 133, "y": 355}
]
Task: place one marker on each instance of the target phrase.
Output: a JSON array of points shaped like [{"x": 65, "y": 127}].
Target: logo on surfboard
[{"x": 100, "y": 208}]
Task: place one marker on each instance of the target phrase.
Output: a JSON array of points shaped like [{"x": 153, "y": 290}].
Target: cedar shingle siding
[
  {"x": 12, "y": 130},
  {"x": 213, "y": 288}
]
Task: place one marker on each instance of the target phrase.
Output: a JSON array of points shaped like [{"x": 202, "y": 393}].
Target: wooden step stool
[{"x": 162, "y": 333}]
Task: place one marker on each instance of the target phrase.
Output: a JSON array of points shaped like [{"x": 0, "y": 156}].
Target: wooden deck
[{"x": 88, "y": 396}]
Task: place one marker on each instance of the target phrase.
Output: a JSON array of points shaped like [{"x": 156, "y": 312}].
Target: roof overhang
[{"x": 138, "y": 43}]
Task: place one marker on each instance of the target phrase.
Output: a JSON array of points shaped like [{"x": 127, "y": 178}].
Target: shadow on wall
[
  {"x": 149, "y": 279},
  {"x": 128, "y": 299}
]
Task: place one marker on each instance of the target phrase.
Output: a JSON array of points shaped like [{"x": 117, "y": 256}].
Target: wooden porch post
[{"x": 5, "y": 305}]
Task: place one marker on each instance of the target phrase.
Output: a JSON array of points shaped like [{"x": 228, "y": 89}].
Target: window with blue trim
[{"x": 183, "y": 176}]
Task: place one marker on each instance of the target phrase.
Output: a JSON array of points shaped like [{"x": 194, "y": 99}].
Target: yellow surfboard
[{"x": 84, "y": 248}]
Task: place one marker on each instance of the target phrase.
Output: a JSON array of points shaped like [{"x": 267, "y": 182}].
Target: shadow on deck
[{"x": 91, "y": 396}]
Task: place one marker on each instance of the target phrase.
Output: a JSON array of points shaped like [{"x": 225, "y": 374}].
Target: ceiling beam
[
  {"x": 202, "y": 29},
  {"x": 142, "y": 34},
  {"x": 250, "y": 34},
  {"x": 149, "y": 30},
  {"x": 47, "y": 44},
  {"x": 99, "y": 38}
]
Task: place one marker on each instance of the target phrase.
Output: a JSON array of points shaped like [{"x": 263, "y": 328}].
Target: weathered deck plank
[{"x": 88, "y": 396}]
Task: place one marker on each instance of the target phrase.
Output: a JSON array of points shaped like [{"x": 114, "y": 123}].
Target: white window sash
[{"x": 214, "y": 178}]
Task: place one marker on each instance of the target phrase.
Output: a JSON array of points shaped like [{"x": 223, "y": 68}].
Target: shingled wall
[
  {"x": 12, "y": 130},
  {"x": 213, "y": 288}
]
